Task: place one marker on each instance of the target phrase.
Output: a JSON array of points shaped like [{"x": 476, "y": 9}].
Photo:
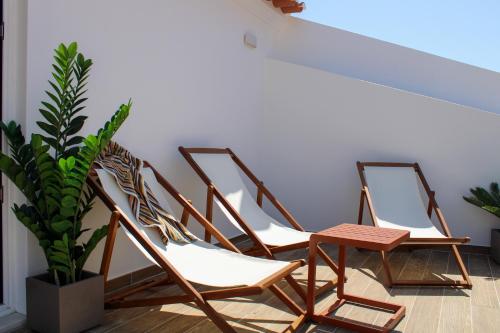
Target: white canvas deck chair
[
  {"x": 394, "y": 200},
  {"x": 218, "y": 168},
  {"x": 224, "y": 269}
]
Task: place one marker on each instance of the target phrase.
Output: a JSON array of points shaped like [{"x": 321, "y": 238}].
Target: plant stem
[
  {"x": 73, "y": 276},
  {"x": 56, "y": 278}
]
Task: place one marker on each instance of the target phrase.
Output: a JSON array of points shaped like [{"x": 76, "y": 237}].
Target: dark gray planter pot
[
  {"x": 495, "y": 245},
  {"x": 68, "y": 309}
]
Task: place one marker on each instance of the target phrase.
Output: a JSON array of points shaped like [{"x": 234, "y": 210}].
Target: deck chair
[
  {"x": 227, "y": 272},
  {"x": 394, "y": 200},
  {"x": 218, "y": 168}
]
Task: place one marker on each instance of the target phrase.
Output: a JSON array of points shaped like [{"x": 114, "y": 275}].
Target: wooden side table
[{"x": 360, "y": 236}]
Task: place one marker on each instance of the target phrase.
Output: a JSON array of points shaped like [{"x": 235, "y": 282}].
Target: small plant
[
  {"x": 51, "y": 170},
  {"x": 489, "y": 201}
]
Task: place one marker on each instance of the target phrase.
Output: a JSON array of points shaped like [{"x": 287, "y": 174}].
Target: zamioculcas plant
[
  {"x": 489, "y": 201},
  {"x": 51, "y": 169}
]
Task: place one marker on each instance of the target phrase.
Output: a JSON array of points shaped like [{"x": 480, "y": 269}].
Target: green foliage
[
  {"x": 489, "y": 201},
  {"x": 51, "y": 170}
]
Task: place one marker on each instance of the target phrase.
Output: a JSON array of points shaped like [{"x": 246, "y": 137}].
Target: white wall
[
  {"x": 317, "y": 125},
  {"x": 15, "y": 236},
  {"x": 184, "y": 64},
  {"x": 353, "y": 55}
]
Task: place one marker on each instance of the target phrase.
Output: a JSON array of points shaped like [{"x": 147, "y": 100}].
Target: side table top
[{"x": 362, "y": 236}]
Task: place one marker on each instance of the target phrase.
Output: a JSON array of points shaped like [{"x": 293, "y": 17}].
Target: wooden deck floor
[{"x": 428, "y": 309}]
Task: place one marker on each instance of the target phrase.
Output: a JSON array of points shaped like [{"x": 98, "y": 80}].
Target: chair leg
[
  {"x": 361, "y": 207},
  {"x": 301, "y": 314},
  {"x": 295, "y": 325},
  {"x": 296, "y": 286},
  {"x": 287, "y": 300},
  {"x": 331, "y": 284},
  {"x": 387, "y": 268},
  {"x": 109, "y": 245},
  {"x": 214, "y": 316},
  {"x": 328, "y": 260},
  {"x": 461, "y": 266}
]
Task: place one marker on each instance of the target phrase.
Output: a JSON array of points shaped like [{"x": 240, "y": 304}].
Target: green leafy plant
[
  {"x": 51, "y": 170},
  {"x": 487, "y": 200}
]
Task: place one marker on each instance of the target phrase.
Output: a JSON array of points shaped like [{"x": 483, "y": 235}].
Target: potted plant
[
  {"x": 51, "y": 171},
  {"x": 490, "y": 202}
]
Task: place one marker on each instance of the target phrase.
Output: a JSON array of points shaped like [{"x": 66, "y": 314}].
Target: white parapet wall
[
  {"x": 346, "y": 53},
  {"x": 316, "y": 125}
]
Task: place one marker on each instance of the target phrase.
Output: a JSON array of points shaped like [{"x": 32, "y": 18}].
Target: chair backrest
[
  {"x": 112, "y": 189},
  {"x": 397, "y": 200},
  {"x": 224, "y": 173}
]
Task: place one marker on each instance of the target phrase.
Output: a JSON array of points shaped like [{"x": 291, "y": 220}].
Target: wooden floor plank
[
  {"x": 495, "y": 273},
  {"x": 262, "y": 308},
  {"x": 424, "y": 315},
  {"x": 455, "y": 310},
  {"x": 188, "y": 316},
  {"x": 192, "y": 318},
  {"x": 119, "y": 317},
  {"x": 369, "y": 286},
  {"x": 414, "y": 269},
  {"x": 455, "y": 313},
  {"x": 355, "y": 259},
  {"x": 356, "y": 283},
  {"x": 483, "y": 293},
  {"x": 398, "y": 260},
  {"x": 485, "y": 319}
]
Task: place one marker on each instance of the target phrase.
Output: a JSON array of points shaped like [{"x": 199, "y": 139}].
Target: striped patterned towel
[{"x": 127, "y": 171}]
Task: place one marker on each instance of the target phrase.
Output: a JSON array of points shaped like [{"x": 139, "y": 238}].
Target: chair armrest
[{"x": 185, "y": 215}]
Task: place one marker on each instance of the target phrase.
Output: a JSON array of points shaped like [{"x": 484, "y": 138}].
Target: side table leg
[
  {"x": 341, "y": 274},
  {"x": 311, "y": 278}
]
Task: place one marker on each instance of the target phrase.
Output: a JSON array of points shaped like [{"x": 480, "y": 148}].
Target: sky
[{"x": 464, "y": 30}]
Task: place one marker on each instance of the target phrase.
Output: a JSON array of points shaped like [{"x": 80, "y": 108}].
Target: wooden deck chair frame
[
  {"x": 259, "y": 248},
  {"x": 200, "y": 298},
  {"x": 449, "y": 241}
]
